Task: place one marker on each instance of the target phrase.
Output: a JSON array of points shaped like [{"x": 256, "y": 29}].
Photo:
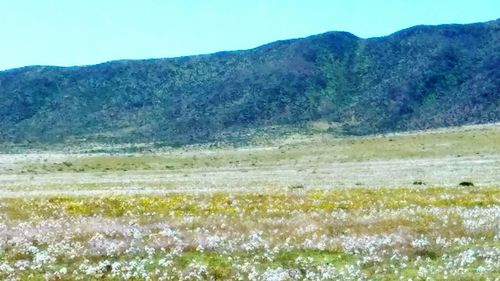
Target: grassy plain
[
  {"x": 414, "y": 206},
  {"x": 314, "y": 149}
]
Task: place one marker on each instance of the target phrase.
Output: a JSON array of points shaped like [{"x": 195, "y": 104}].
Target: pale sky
[{"x": 79, "y": 32}]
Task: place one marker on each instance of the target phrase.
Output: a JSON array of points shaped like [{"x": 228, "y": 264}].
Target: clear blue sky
[{"x": 76, "y": 32}]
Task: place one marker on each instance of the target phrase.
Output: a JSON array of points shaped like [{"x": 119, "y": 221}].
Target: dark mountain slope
[{"x": 422, "y": 77}]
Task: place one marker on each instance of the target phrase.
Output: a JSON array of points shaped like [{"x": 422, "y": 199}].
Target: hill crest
[{"x": 417, "y": 78}]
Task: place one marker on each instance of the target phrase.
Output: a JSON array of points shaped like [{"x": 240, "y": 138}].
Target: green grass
[
  {"x": 272, "y": 203},
  {"x": 407, "y": 212},
  {"x": 276, "y": 212},
  {"x": 481, "y": 141}
]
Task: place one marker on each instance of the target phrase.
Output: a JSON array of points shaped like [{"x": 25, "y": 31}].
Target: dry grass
[{"x": 306, "y": 208}]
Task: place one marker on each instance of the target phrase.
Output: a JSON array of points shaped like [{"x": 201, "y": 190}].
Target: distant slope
[{"x": 421, "y": 77}]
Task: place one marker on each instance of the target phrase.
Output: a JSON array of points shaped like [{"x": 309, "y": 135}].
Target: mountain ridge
[
  {"x": 248, "y": 49},
  {"x": 392, "y": 83}
]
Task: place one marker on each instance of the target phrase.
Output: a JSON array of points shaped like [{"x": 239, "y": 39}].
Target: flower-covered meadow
[
  {"x": 412, "y": 206},
  {"x": 411, "y": 233}
]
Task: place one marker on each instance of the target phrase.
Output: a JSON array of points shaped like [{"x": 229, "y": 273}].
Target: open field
[
  {"x": 436, "y": 158},
  {"x": 423, "y": 205},
  {"x": 345, "y": 234}
]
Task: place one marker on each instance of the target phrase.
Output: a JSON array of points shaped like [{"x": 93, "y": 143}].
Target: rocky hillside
[{"x": 417, "y": 78}]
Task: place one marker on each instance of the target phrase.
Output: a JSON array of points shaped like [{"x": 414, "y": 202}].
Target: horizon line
[{"x": 237, "y": 50}]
